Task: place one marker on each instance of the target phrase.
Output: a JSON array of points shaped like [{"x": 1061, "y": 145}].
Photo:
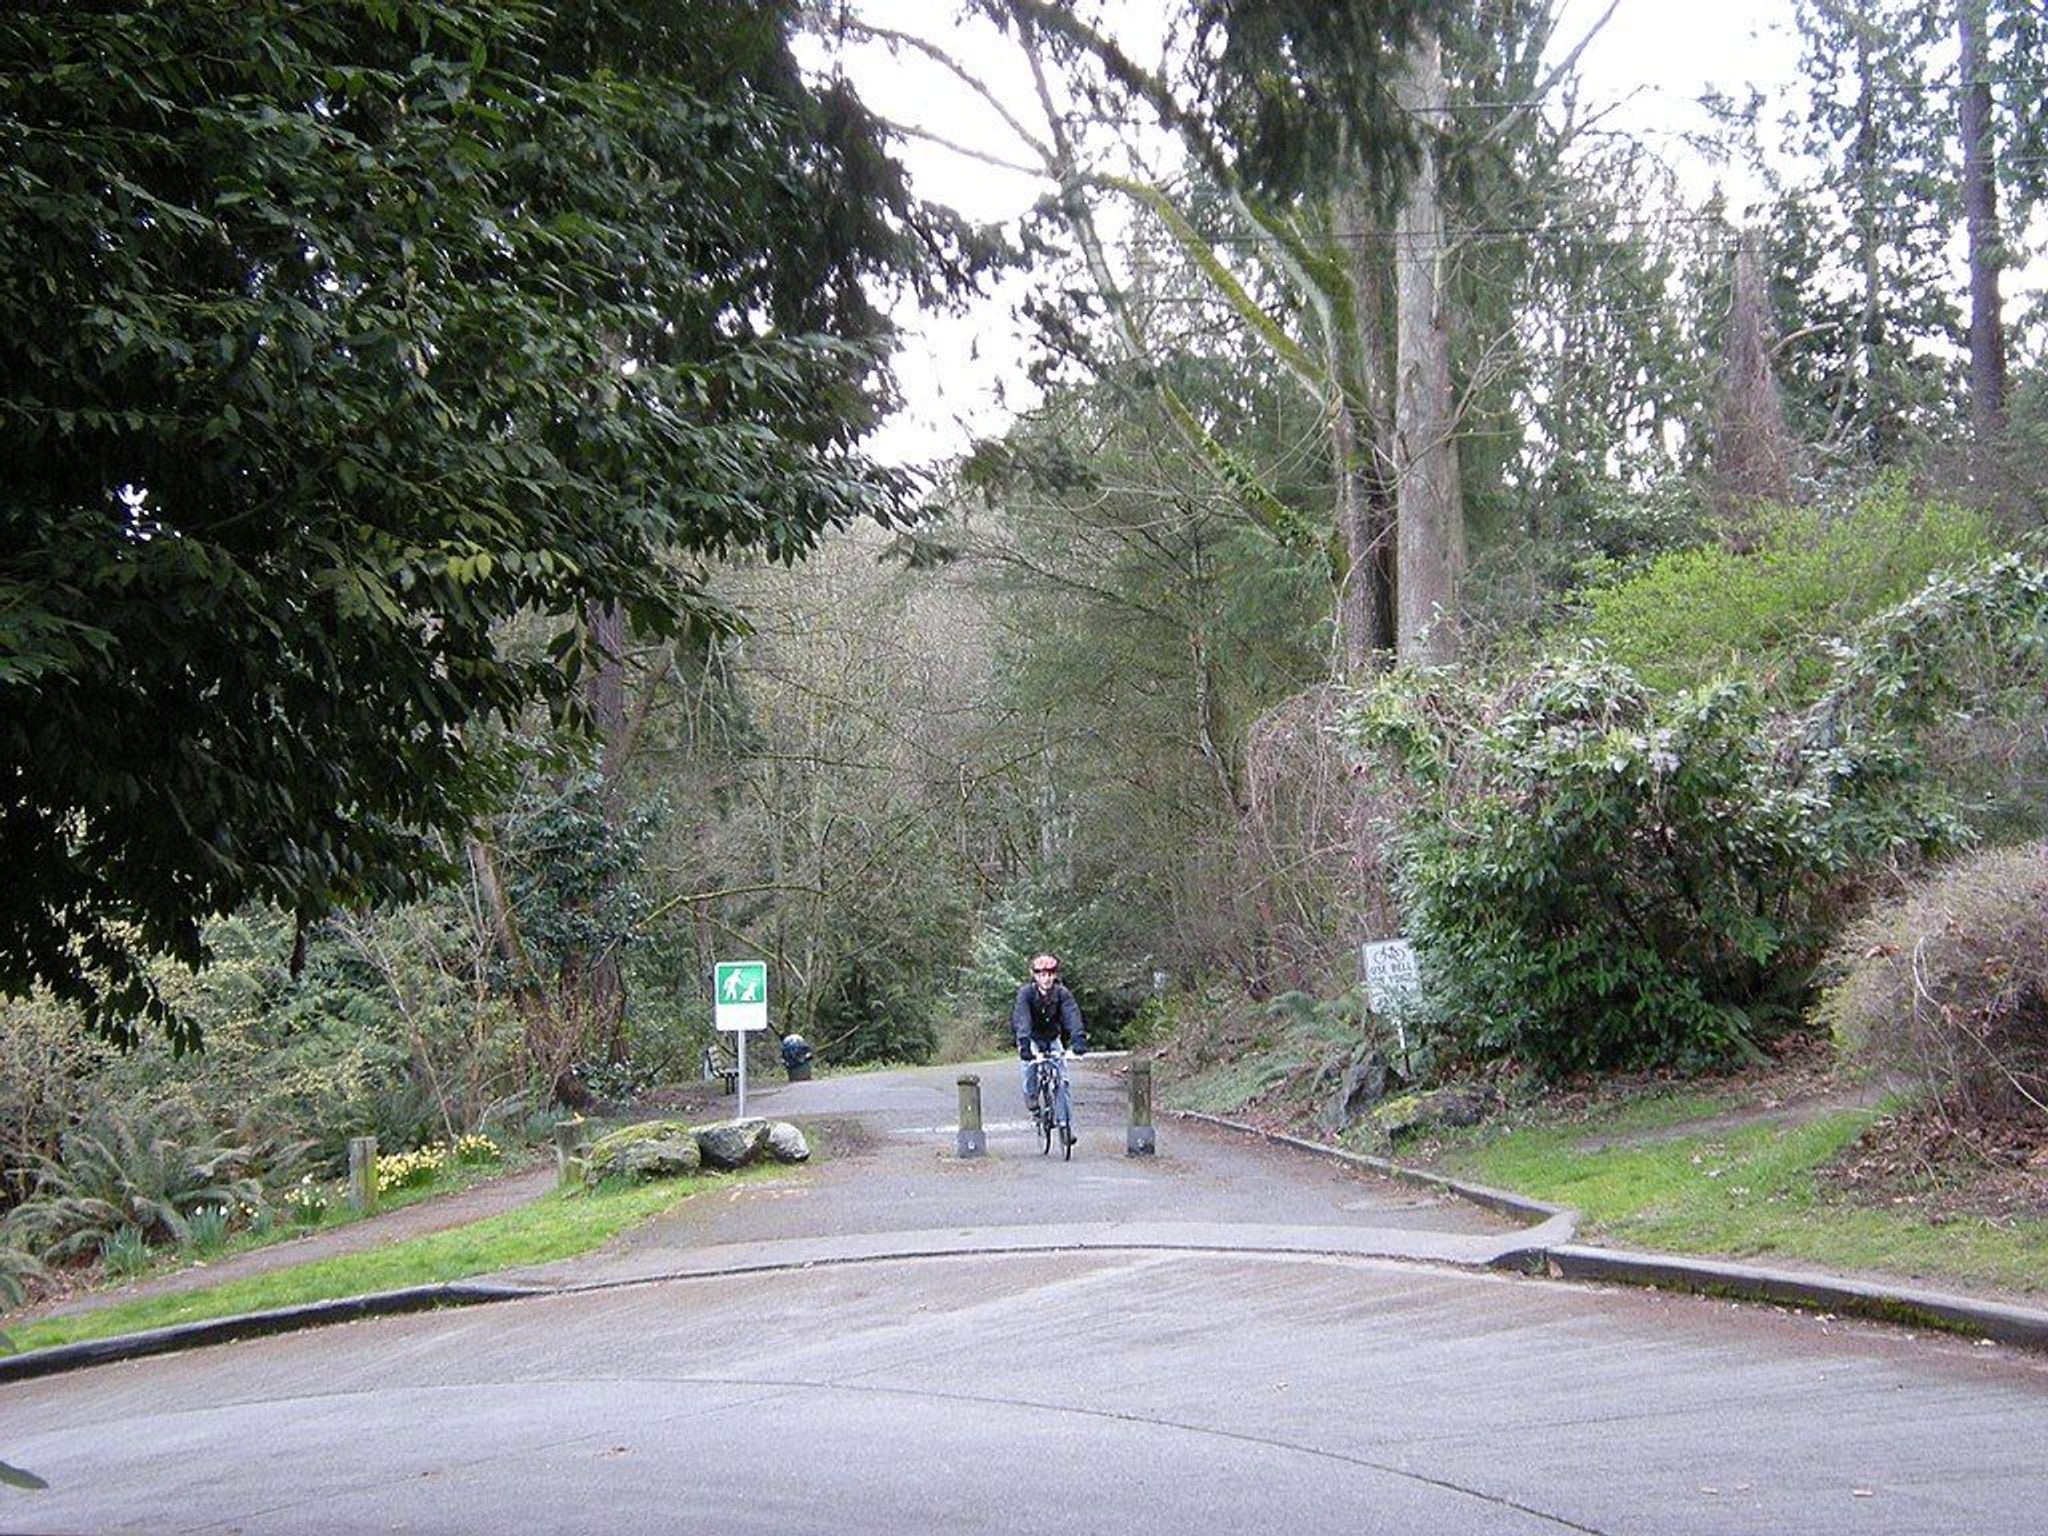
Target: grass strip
[
  {"x": 559, "y": 1225},
  {"x": 1754, "y": 1194},
  {"x": 448, "y": 1181}
]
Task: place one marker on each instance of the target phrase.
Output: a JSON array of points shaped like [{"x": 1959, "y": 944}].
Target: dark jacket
[{"x": 1042, "y": 1020}]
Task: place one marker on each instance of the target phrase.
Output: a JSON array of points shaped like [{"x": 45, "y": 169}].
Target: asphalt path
[{"x": 1228, "y": 1337}]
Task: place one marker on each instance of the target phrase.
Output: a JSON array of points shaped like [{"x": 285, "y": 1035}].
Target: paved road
[{"x": 1301, "y": 1384}]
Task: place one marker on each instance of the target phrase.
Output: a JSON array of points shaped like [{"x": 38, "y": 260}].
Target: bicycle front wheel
[
  {"x": 1066, "y": 1141},
  {"x": 1042, "y": 1113}
]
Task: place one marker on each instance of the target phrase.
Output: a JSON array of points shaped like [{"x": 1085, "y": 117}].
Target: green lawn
[
  {"x": 1752, "y": 1194},
  {"x": 557, "y": 1226}
]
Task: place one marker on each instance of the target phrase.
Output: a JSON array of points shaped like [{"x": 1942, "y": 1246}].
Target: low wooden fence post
[
  {"x": 972, "y": 1142},
  {"x": 1138, "y": 1140},
  {"x": 568, "y": 1142},
  {"x": 362, "y": 1173}
]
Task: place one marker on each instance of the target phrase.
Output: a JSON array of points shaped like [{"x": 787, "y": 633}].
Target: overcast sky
[{"x": 963, "y": 377}]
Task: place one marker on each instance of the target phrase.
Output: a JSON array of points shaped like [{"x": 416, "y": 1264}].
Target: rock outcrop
[
  {"x": 659, "y": 1149},
  {"x": 786, "y": 1143},
  {"x": 666, "y": 1149},
  {"x": 1369, "y": 1078},
  {"x": 1414, "y": 1113},
  {"x": 732, "y": 1143}
]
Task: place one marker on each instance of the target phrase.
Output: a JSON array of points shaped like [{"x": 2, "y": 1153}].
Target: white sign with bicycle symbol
[{"x": 1393, "y": 984}]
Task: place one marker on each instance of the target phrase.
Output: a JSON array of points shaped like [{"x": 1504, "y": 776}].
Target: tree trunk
[
  {"x": 598, "y": 986},
  {"x": 1365, "y": 607},
  {"x": 551, "y": 1029},
  {"x": 1753, "y": 453},
  {"x": 1429, "y": 515},
  {"x": 1361, "y": 428},
  {"x": 1980, "y": 207}
]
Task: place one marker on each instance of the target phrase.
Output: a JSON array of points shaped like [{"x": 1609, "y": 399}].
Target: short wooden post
[
  {"x": 972, "y": 1142},
  {"x": 1138, "y": 1141},
  {"x": 568, "y": 1142},
  {"x": 362, "y": 1173}
]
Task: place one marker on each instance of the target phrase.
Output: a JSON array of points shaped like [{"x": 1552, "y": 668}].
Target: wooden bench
[{"x": 728, "y": 1077}]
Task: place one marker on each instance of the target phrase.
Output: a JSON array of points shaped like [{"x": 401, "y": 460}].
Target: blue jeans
[{"x": 1062, "y": 1105}]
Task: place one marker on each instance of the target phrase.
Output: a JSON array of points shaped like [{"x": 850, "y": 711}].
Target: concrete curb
[
  {"x": 253, "y": 1325},
  {"x": 1500, "y": 1201},
  {"x": 2021, "y": 1326},
  {"x": 2024, "y": 1327}
]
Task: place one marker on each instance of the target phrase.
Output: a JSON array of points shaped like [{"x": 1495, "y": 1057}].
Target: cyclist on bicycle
[{"x": 1045, "y": 1012}]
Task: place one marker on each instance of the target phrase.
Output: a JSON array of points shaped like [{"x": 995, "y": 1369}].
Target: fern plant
[
  {"x": 129, "y": 1170},
  {"x": 17, "y": 1269}
]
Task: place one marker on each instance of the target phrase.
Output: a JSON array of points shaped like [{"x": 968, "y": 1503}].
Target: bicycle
[{"x": 1045, "y": 1100}]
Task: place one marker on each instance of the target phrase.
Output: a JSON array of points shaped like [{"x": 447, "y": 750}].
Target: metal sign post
[{"x": 739, "y": 1002}]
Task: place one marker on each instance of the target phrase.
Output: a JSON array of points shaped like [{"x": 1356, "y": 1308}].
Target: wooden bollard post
[
  {"x": 362, "y": 1173},
  {"x": 972, "y": 1142},
  {"x": 568, "y": 1141},
  {"x": 1138, "y": 1140}
]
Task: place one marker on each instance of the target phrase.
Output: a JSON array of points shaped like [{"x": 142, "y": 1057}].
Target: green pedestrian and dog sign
[
  {"x": 739, "y": 994},
  {"x": 739, "y": 1002}
]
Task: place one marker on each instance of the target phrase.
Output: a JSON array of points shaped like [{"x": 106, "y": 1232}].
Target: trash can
[{"x": 796, "y": 1058}]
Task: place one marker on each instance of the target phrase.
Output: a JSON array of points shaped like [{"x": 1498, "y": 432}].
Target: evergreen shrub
[
  {"x": 1814, "y": 572},
  {"x": 128, "y": 1169},
  {"x": 1598, "y": 876},
  {"x": 870, "y": 1016}
]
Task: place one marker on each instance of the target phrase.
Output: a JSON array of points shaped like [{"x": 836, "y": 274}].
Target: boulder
[
  {"x": 786, "y": 1144},
  {"x": 656, "y": 1149},
  {"x": 731, "y": 1143},
  {"x": 1368, "y": 1079},
  {"x": 1414, "y": 1113}
]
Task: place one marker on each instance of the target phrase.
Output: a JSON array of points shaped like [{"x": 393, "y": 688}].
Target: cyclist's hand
[
  {"x": 1023, "y": 1053},
  {"x": 1077, "y": 1050}
]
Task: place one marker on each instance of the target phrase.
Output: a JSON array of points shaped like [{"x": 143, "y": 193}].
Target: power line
[
  {"x": 1947, "y": 80},
  {"x": 1452, "y": 236}
]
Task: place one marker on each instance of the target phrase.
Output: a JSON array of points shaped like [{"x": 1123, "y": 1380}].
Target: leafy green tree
[
  {"x": 828, "y": 811},
  {"x": 1347, "y": 160},
  {"x": 564, "y": 902},
  {"x": 1288, "y": 94},
  {"x": 1109, "y": 982},
  {"x": 1870, "y": 232},
  {"x": 1585, "y": 386},
  {"x": 334, "y": 337},
  {"x": 1146, "y": 626}
]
